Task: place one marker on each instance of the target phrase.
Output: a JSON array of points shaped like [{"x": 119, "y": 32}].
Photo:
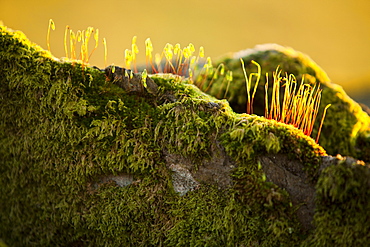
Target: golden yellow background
[{"x": 334, "y": 33}]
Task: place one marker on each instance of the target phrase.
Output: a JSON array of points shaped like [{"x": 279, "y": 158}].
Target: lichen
[{"x": 65, "y": 128}]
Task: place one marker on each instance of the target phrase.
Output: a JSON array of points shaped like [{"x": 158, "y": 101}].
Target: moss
[
  {"x": 215, "y": 218},
  {"x": 254, "y": 135},
  {"x": 363, "y": 141},
  {"x": 2, "y": 244},
  {"x": 342, "y": 217},
  {"x": 345, "y": 121},
  {"x": 63, "y": 126}
]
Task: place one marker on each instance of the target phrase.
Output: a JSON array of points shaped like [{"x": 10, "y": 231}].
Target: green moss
[
  {"x": 2, "y": 244},
  {"x": 345, "y": 121},
  {"x": 254, "y": 135},
  {"x": 209, "y": 217},
  {"x": 63, "y": 126},
  {"x": 343, "y": 211}
]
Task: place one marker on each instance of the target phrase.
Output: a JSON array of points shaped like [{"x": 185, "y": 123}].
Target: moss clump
[
  {"x": 345, "y": 121},
  {"x": 64, "y": 126},
  {"x": 342, "y": 217}
]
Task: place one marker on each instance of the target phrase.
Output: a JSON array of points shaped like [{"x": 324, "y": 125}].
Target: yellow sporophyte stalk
[
  {"x": 248, "y": 82},
  {"x": 190, "y": 75},
  {"x": 168, "y": 53},
  {"x": 128, "y": 58},
  {"x": 96, "y": 38},
  {"x": 82, "y": 47},
  {"x": 206, "y": 70},
  {"x": 201, "y": 52},
  {"x": 288, "y": 95},
  {"x": 105, "y": 52},
  {"x": 219, "y": 70},
  {"x": 72, "y": 43},
  {"x": 256, "y": 84},
  {"x": 275, "y": 99},
  {"x": 208, "y": 66},
  {"x": 51, "y": 26},
  {"x": 192, "y": 48},
  {"x": 192, "y": 62},
  {"x": 177, "y": 49},
  {"x": 148, "y": 49},
  {"x": 134, "y": 51},
  {"x": 322, "y": 121},
  {"x": 84, "y": 38},
  {"x": 229, "y": 78},
  {"x": 266, "y": 98},
  {"x": 149, "y": 55}
]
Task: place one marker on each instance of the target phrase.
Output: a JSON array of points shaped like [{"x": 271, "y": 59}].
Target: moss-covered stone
[
  {"x": 342, "y": 198},
  {"x": 83, "y": 161},
  {"x": 346, "y": 128}
]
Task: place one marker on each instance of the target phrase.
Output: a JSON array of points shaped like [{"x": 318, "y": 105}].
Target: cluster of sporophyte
[
  {"x": 83, "y": 37},
  {"x": 183, "y": 62},
  {"x": 298, "y": 107},
  {"x": 299, "y": 104}
]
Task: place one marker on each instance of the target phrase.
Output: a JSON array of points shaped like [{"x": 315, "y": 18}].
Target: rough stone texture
[
  {"x": 129, "y": 81},
  {"x": 289, "y": 174},
  {"x": 121, "y": 180},
  {"x": 215, "y": 171},
  {"x": 333, "y": 160},
  {"x": 182, "y": 180}
]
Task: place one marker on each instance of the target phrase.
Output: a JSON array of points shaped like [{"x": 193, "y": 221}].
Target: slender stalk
[
  {"x": 135, "y": 50},
  {"x": 258, "y": 75},
  {"x": 105, "y": 52},
  {"x": 266, "y": 97},
  {"x": 96, "y": 38},
  {"x": 51, "y": 26},
  {"x": 221, "y": 68},
  {"x": 248, "y": 87}
]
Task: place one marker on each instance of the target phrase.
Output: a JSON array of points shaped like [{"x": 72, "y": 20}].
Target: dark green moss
[{"x": 343, "y": 211}]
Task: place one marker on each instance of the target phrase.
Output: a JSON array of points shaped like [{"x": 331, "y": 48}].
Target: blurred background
[{"x": 334, "y": 33}]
